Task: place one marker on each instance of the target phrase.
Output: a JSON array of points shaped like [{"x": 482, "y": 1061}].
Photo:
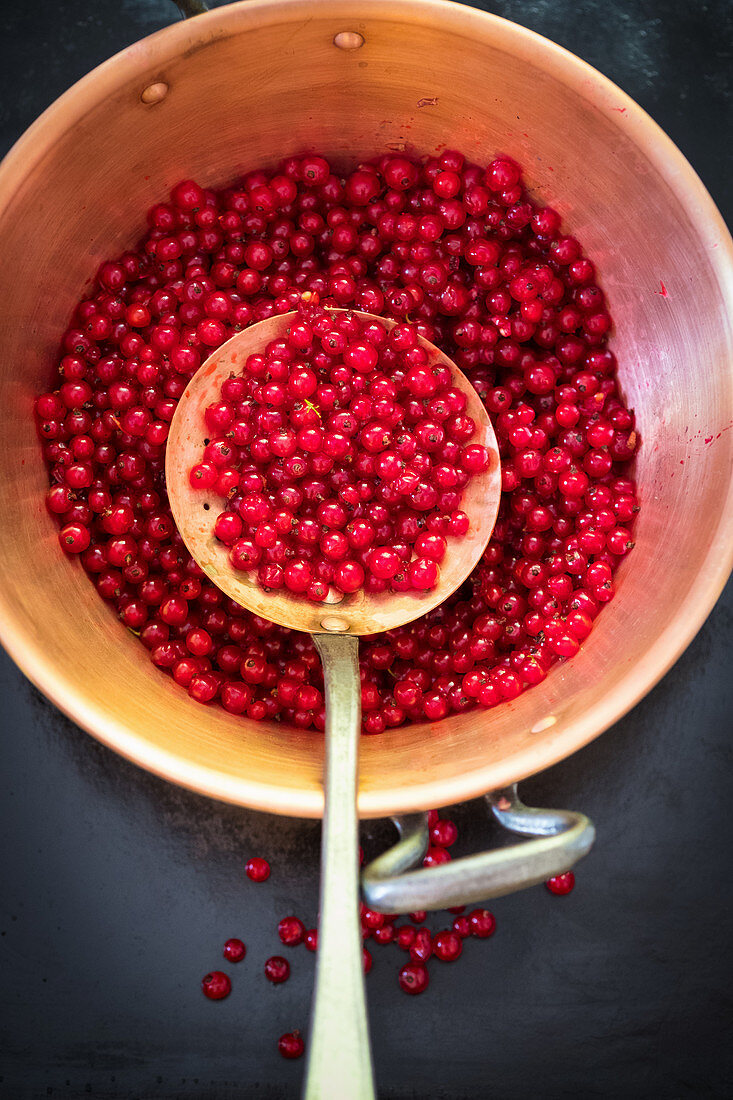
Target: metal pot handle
[{"x": 562, "y": 837}]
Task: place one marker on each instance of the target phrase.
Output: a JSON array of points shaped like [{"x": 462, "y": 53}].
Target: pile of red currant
[
  {"x": 462, "y": 253},
  {"x": 341, "y": 413}
]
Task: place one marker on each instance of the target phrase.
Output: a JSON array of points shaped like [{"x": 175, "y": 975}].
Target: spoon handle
[{"x": 339, "y": 1057}]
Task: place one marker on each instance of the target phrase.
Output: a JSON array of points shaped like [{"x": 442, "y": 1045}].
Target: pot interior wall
[{"x": 249, "y": 84}]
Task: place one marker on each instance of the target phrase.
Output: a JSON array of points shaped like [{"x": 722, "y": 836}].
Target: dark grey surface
[{"x": 118, "y": 889}]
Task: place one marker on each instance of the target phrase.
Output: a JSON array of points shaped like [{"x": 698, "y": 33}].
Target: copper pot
[{"x": 245, "y": 85}]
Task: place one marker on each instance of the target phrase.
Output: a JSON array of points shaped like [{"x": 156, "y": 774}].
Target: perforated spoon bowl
[{"x": 339, "y": 1057}]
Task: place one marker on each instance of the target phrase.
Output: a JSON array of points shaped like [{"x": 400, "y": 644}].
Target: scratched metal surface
[{"x": 118, "y": 889}]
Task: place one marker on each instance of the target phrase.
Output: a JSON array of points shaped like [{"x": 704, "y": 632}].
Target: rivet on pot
[
  {"x": 348, "y": 40},
  {"x": 154, "y": 93}
]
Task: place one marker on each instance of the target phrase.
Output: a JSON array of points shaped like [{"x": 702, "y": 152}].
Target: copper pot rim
[{"x": 142, "y": 59}]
